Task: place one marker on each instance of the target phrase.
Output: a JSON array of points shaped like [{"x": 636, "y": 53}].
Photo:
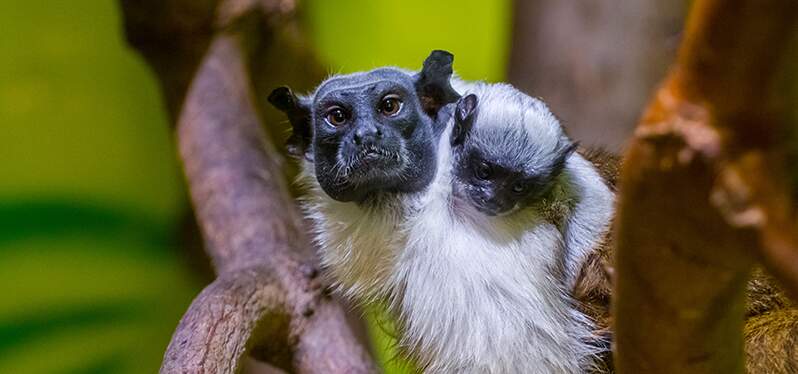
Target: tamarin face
[
  {"x": 495, "y": 187},
  {"x": 509, "y": 156},
  {"x": 372, "y": 132}
]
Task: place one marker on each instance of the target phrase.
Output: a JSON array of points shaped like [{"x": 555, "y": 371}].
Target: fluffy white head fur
[
  {"x": 539, "y": 133},
  {"x": 471, "y": 293}
]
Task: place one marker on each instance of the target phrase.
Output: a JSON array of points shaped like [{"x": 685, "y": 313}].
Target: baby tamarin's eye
[
  {"x": 519, "y": 187},
  {"x": 483, "y": 170},
  {"x": 336, "y": 116},
  {"x": 390, "y": 105}
]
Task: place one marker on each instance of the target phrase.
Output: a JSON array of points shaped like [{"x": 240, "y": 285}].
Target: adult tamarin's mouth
[
  {"x": 371, "y": 161},
  {"x": 371, "y": 152},
  {"x": 370, "y": 155}
]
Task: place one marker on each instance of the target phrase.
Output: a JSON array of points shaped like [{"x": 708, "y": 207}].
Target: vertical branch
[{"x": 701, "y": 186}]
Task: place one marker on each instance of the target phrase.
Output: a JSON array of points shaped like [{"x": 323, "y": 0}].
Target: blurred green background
[{"x": 91, "y": 195}]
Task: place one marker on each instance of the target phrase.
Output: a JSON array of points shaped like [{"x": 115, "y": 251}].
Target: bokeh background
[
  {"x": 93, "y": 210},
  {"x": 99, "y": 256}
]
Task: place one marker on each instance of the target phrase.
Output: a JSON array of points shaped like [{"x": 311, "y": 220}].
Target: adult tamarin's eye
[
  {"x": 483, "y": 170},
  {"x": 390, "y": 105},
  {"x": 519, "y": 187},
  {"x": 336, "y": 116}
]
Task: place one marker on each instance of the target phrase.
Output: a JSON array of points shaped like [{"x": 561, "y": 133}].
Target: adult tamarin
[{"x": 474, "y": 288}]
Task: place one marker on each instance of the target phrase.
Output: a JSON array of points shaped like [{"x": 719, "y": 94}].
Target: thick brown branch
[
  {"x": 240, "y": 197},
  {"x": 700, "y": 184},
  {"x": 733, "y": 77}
]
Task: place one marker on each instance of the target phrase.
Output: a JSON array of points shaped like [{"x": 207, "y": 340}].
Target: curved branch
[
  {"x": 252, "y": 231},
  {"x": 212, "y": 335},
  {"x": 700, "y": 186}
]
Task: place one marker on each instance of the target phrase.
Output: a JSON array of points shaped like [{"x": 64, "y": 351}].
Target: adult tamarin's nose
[{"x": 366, "y": 134}]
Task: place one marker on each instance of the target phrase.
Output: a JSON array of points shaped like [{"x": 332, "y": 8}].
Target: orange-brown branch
[{"x": 701, "y": 190}]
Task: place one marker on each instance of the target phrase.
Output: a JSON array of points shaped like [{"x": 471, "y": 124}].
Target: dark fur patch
[{"x": 298, "y": 113}]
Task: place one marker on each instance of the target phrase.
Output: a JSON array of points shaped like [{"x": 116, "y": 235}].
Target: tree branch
[
  {"x": 701, "y": 188},
  {"x": 266, "y": 300}
]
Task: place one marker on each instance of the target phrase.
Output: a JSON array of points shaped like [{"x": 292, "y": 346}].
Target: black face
[
  {"x": 502, "y": 168},
  {"x": 372, "y": 132},
  {"x": 495, "y": 188}
]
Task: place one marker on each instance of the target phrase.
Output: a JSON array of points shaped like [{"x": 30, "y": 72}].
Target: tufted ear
[
  {"x": 432, "y": 84},
  {"x": 298, "y": 112},
  {"x": 464, "y": 115},
  {"x": 563, "y": 154}
]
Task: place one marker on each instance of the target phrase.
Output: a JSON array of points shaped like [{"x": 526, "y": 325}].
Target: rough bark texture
[
  {"x": 595, "y": 62},
  {"x": 266, "y": 300},
  {"x": 702, "y": 194}
]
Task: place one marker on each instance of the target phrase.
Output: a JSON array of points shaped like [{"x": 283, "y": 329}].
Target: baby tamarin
[
  {"x": 520, "y": 157},
  {"x": 484, "y": 268}
]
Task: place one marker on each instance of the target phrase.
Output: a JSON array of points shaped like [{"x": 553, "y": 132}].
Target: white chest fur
[
  {"x": 485, "y": 294},
  {"x": 471, "y": 293}
]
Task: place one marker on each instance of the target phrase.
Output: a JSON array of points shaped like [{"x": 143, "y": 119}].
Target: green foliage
[
  {"x": 353, "y": 35},
  {"x": 89, "y": 198},
  {"x": 81, "y": 115}
]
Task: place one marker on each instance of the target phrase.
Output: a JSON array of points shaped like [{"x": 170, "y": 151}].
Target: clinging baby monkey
[
  {"x": 485, "y": 271},
  {"x": 519, "y": 157}
]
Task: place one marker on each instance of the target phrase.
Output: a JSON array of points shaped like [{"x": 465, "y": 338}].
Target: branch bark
[
  {"x": 703, "y": 194},
  {"x": 266, "y": 300}
]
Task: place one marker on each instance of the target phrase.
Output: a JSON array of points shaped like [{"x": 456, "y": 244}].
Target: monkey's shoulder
[{"x": 607, "y": 163}]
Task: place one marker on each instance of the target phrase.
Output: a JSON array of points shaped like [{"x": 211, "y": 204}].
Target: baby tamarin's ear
[
  {"x": 298, "y": 112},
  {"x": 464, "y": 115},
  {"x": 562, "y": 156},
  {"x": 433, "y": 85}
]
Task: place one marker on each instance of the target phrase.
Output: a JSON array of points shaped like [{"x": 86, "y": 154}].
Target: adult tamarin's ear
[
  {"x": 432, "y": 84},
  {"x": 298, "y": 112},
  {"x": 464, "y": 115}
]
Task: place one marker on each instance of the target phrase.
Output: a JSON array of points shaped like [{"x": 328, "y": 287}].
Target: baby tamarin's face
[{"x": 508, "y": 150}]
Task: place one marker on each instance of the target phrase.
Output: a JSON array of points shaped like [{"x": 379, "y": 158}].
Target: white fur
[
  {"x": 472, "y": 293},
  {"x": 590, "y": 217}
]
